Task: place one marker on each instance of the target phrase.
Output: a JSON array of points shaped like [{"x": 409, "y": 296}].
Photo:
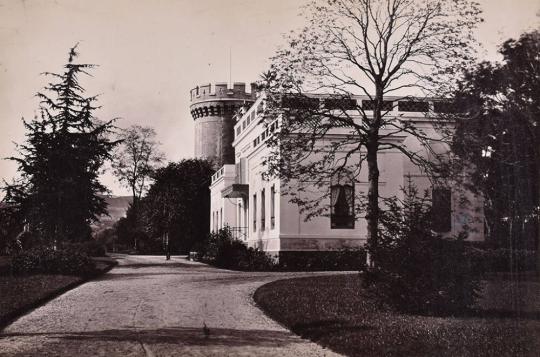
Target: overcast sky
[{"x": 151, "y": 52}]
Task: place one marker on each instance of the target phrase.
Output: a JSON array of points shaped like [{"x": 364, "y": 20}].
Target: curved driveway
[{"x": 151, "y": 307}]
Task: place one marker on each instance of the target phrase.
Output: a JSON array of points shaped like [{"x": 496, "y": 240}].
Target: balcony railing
[
  {"x": 217, "y": 175},
  {"x": 239, "y": 233}
]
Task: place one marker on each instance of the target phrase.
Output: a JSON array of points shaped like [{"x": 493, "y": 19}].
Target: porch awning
[{"x": 236, "y": 190}]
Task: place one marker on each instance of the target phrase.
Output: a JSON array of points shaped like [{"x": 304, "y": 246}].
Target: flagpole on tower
[{"x": 230, "y": 66}]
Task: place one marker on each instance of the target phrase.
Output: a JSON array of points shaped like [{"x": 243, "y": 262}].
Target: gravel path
[{"x": 151, "y": 307}]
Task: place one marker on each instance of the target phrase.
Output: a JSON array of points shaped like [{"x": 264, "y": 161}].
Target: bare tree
[
  {"x": 375, "y": 48},
  {"x": 136, "y": 158}
]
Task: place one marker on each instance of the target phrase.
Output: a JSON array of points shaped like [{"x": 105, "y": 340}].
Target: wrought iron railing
[{"x": 239, "y": 233}]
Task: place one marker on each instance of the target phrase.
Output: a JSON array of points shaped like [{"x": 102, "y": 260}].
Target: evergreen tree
[{"x": 65, "y": 147}]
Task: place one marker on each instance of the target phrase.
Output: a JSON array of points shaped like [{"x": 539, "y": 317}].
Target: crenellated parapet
[
  {"x": 219, "y": 99},
  {"x": 222, "y": 90}
]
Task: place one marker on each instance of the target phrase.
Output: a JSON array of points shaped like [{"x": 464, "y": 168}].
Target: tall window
[
  {"x": 342, "y": 201},
  {"x": 246, "y": 216},
  {"x": 254, "y": 211},
  {"x": 263, "y": 210},
  {"x": 441, "y": 209},
  {"x": 239, "y": 215},
  {"x": 272, "y": 207}
]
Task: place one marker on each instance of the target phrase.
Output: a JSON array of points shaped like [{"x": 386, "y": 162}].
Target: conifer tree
[{"x": 60, "y": 160}]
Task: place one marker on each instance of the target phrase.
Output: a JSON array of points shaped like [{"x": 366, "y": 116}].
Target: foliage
[
  {"x": 223, "y": 251},
  {"x": 10, "y": 229},
  {"x": 499, "y": 133},
  {"x": 50, "y": 261},
  {"x": 418, "y": 270},
  {"x": 370, "y": 47},
  {"x": 108, "y": 238},
  {"x": 131, "y": 235},
  {"x": 59, "y": 163},
  {"x": 177, "y": 204},
  {"x": 339, "y": 260},
  {"x": 502, "y": 260},
  {"x": 136, "y": 158},
  {"x": 90, "y": 248}
]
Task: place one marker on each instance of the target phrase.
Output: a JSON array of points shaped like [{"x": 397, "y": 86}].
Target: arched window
[{"x": 342, "y": 201}]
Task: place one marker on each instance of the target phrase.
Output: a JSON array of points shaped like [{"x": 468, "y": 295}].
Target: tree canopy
[
  {"x": 375, "y": 48},
  {"x": 59, "y": 191},
  {"x": 136, "y": 158},
  {"x": 500, "y": 134},
  {"x": 178, "y": 202}
]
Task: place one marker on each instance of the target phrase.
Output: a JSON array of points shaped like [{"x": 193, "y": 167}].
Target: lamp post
[{"x": 167, "y": 251}]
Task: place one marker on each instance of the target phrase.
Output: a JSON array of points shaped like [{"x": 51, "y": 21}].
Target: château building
[{"x": 259, "y": 212}]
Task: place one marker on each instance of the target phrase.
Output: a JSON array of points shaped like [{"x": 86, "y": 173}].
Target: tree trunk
[
  {"x": 135, "y": 215},
  {"x": 538, "y": 214},
  {"x": 536, "y": 144},
  {"x": 373, "y": 212},
  {"x": 372, "y": 216}
]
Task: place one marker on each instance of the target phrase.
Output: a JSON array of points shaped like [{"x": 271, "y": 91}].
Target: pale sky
[{"x": 152, "y": 52}]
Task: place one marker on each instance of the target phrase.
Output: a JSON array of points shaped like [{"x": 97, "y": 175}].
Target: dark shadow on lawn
[
  {"x": 476, "y": 314},
  {"x": 501, "y": 314},
  {"x": 185, "y": 336}
]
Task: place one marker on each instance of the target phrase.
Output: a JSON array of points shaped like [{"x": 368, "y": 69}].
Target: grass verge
[
  {"x": 20, "y": 294},
  {"x": 334, "y": 312}
]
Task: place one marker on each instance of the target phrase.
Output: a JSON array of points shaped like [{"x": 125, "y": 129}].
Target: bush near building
[
  {"x": 223, "y": 251},
  {"x": 417, "y": 269},
  {"x": 337, "y": 260},
  {"x": 497, "y": 260}
]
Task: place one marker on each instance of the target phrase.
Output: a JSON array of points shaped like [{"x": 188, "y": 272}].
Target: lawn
[
  {"x": 334, "y": 312},
  {"x": 18, "y": 294}
]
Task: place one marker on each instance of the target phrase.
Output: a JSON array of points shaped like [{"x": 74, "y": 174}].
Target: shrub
[
  {"x": 91, "y": 248},
  {"x": 46, "y": 260},
  {"x": 416, "y": 270},
  {"x": 502, "y": 260},
  {"x": 346, "y": 259},
  {"x": 223, "y": 251}
]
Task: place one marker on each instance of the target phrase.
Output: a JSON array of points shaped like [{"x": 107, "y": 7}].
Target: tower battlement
[{"x": 222, "y": 90}]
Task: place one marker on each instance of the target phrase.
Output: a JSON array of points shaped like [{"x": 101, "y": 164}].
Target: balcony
[
  {"x": 226, "y": 173},
  {"x": 236, "y": 190},
  {"x": 229, "y": 181}
]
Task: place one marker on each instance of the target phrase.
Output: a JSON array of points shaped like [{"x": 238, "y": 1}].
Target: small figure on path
[{"x": 206, "y": 330}]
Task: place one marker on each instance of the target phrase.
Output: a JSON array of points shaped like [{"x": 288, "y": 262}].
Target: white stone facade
[{"x": 261, "y": 215}]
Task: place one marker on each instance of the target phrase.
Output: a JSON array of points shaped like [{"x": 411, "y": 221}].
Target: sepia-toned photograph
[{"x": 269, "y": 178}]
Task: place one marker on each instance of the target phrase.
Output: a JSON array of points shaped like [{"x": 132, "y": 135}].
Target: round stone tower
[{"x": 213, "y": 108}]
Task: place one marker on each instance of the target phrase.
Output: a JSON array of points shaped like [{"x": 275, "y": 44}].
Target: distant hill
[{"x": 116, "y": 207}]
